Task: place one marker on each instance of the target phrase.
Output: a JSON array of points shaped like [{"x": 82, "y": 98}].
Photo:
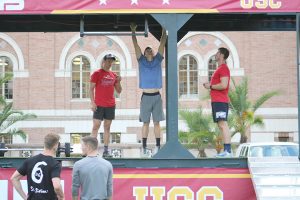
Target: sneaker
[
  {"x": 106, "y": 154},
  {"x": 146, "y": 153},
  {"x": 224, "y": 154},
  {"x": 156, "y": 149}
]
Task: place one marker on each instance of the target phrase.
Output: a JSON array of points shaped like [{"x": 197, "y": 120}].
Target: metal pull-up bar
[{"x": 92, "y": 33}]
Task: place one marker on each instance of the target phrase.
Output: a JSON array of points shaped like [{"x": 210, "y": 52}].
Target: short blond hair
[
  {"x": 91, "y": 142},
  {"x": 51, "y": 140}
]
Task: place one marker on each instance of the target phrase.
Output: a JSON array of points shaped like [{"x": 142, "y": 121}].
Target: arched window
[
  {"x": 6, "y": 68},
  {"x": 116, "y": 69},
  {"x": 188, "y": 77},
  {"x": 80, "y": 77},
  {"x": 212, "y": 66}
]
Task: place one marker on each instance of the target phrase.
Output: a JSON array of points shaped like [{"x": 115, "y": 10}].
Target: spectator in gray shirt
[{"x": 92, "y": 174}]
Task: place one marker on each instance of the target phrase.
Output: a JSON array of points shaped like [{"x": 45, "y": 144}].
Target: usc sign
[
  {"x": 261, "y": 4},
  {"x": 159, "y": 193},
  {"x": 158, "y": 184}
]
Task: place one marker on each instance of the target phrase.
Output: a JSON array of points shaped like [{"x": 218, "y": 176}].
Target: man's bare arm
[
  {"x": 58, "y": 188},
  {"x": 163, "y": 41},
  {"x": 92, "y": 96},
  {"x": 15, "y": 179},
  {"x": 137, "y": 48},
  {"x": 118, "y": 86},
  {"x": 220, "y": 86}
]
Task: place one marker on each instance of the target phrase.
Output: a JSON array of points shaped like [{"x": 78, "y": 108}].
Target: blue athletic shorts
[{"x": 219, "y": 111}]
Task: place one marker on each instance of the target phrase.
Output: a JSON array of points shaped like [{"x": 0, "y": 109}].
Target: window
[
  {"x": 114, "y": 138},
  {"x": 6, "y": 138},
  {"x": 212, "y": 66},
  {"x": 6, "y": 68},
  {"x": 80, "y": 77},
  {"x": 116, "y": 69},
  {"x": 284, "y": 137},
  {"x": 188, "y": 77}
]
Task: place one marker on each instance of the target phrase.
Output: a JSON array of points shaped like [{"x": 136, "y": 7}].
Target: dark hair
[
  {"x": 90, "y": 141},
  {"x": 224, "y": 51},
  {"x": 51, "y": 140},
  {"x": 147, "y": 49}
]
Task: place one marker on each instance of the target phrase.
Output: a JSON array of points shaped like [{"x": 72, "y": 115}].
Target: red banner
[
  {"x": 145, "y": 6},
  {"x": 162, "y": 184}
]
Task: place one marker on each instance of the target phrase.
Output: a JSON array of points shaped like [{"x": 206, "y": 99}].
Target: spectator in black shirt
[{"x": 43, "y": 173}]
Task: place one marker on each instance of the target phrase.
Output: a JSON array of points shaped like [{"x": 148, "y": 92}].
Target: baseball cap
[{"x": 109, "y": 56}]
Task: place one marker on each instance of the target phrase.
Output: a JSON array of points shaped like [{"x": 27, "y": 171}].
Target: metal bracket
[{"x": 90, "y": 33}]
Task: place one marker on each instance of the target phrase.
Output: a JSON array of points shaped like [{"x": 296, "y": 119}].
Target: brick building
[{"x": 51, "y": 79}]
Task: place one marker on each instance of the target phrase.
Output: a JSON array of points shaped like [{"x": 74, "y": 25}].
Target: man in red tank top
[{"x": 219, "y": 87}]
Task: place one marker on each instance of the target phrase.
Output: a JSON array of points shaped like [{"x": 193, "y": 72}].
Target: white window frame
[
  {"x": 80, "y": 78},
  {"x": 91, "y": 59},
  {"x": 189, "y": 95},
  {"x": 3, "y": 72}
]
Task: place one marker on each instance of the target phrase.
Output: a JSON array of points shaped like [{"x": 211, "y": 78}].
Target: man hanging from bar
[{"x": 150, "y": 81}]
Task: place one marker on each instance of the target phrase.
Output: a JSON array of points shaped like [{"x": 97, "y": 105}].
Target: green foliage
[
  {"x": 9, "y": 116},
  {"x": 242, "y": 115},
  {"x": 201, "y": 133}
]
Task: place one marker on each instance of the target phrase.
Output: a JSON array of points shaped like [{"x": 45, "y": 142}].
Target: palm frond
[
  {"x": 258, "y": 121},
  {"x": 2, "y": 101},
  {"x": 6, "y": 78},
  {"x": 17, "y": 132},
  {"x": 196, "y": 120},
  {"x": 265, "y": 97},
  {"x": 242, "y": 115},
  {"x": 14, "y": 119},
  {"x": 9, "y": 116},
  {"x": 238, "y": 96},
  {"x": 201, "y": 130}
]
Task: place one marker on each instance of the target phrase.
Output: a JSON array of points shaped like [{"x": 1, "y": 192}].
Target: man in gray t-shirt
[{"x": 92, "y": 174}]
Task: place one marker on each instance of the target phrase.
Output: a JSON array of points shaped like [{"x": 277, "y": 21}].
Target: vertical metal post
[
  {"x": 172, "y": 149},
  {"x": 172, "y": 89},
  {"x": 298, "y": 71}
]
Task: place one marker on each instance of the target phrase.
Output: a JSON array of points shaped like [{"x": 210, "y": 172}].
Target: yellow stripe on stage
[
  {"x": 190, "y": 176},
  {"x": 134, "y": 11}
]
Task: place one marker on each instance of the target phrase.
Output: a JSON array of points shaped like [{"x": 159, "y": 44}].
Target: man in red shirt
[
  {"x": 102, "y": 85},
  {"x": 219, "y": 87}
]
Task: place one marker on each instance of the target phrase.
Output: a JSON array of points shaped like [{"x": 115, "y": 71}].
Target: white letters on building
[{"x": 10, "y": 5}]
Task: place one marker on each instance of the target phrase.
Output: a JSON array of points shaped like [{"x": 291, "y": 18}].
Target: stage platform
[{"x": 7, "y": 162}]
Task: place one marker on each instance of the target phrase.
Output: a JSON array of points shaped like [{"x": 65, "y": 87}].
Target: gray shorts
[{"x": 151, "y": 103}]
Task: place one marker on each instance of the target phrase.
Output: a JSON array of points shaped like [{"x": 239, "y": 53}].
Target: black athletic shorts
[
  {"x": 104, "y": 113},
  {"x": 219, "y": 111}
]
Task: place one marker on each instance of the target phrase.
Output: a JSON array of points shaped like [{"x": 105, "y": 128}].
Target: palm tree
[
  {"x": 8, "y": 116},
  {"x": 242, "y": 115},
  {"x": 202, "y": 132}
]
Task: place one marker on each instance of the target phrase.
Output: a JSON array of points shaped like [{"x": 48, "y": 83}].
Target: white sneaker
[
  {"x": 146, "y": 153},
  {"x": 156, "y": 149},
  {"x": 224, "y": 154}
]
